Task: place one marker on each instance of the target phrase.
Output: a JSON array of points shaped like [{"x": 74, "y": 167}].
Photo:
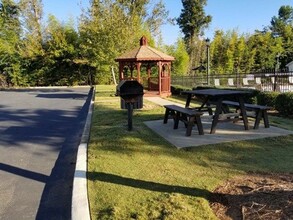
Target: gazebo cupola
[{"x": 132, "y": 64}]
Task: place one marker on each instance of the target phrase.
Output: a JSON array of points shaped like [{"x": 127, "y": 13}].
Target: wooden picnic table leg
[
  {"x": 266, "y": 118},
  {"x": 243, "y": 112},
  {"x": 177, "y": 118},
  {"x": 257, "y": 118},
  {"x": 216, "y": 116},
  {"x": 188, "y": 101},
  {"x": 199, "y": 125},
  {"x": 167, "y": 112},
  {"x": 210, "y": 111},
  {"x": 189, "y": 126}
]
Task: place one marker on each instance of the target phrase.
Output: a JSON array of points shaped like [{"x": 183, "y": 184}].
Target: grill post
[
  {"x": 131, "y": 93},
  {"x": 129, "y": 114}
]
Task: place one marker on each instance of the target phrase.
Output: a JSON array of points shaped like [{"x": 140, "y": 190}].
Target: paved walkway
[
  {"x": 226, "y": 132},
  {"x": 40, "y": 131}
]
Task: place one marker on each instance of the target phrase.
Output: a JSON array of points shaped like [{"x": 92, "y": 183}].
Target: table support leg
[
  {"x": 188, "y": 101},
  {"x": 243, "y": 113},
  {"x": 216, "y": 116}
]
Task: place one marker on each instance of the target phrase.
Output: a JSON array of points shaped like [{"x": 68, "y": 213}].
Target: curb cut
[{"x": 80, "y": 204}]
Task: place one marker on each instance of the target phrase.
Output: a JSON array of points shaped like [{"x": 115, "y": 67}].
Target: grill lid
[{"x": 129, "y": 88}]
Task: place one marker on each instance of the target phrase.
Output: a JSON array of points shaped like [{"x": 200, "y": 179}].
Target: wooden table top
[{"x": 216, "y": 92}]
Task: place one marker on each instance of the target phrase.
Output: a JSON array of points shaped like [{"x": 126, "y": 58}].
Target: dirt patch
[{"x": 255, "y": 196}]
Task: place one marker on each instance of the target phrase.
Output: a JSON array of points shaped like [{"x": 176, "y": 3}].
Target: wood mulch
[{"x": 255, "y": 196}]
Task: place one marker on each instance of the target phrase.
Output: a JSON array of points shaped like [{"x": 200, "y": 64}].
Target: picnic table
[{"x": 217, "y": 96}]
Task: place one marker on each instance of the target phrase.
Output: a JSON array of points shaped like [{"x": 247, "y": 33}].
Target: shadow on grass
[
  {"x": 233, "y": 202},
  {"x": 147, "y": 185}
]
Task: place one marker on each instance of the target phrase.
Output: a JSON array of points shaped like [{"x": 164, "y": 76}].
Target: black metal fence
[{"x": 269, "y": 80}]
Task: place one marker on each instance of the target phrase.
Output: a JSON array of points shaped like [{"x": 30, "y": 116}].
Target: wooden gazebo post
[{"x": 160, "y": 76}]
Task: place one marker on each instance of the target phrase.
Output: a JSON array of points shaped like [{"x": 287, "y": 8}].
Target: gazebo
[{"x": 139, "y": 64}]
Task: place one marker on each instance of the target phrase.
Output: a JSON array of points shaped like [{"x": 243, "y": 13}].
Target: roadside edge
[{"x": 80, "y": 203}]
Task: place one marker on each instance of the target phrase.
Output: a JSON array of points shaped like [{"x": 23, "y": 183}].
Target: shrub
[
  {"x": 267, "y": 98},
  {"x": 177, "y": 89},
  {"x": 284, "y": 103},
  {"x": 252, "y": 97}
]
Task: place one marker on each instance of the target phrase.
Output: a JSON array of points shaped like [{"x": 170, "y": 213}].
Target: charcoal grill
[{"x": 131, "y": 93}]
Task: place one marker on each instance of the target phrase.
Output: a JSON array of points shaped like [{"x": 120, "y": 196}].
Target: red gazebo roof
[{"x": 144, "y": 53}]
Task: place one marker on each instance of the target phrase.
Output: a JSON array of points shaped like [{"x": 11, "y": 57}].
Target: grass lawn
[{"x": 139, "y": 175}]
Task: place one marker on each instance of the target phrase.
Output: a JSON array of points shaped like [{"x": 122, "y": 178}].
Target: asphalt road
[{"x": 40, "y": 130}]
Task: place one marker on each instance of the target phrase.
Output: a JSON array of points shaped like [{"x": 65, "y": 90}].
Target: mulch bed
[{"x": 255, "y": 196}]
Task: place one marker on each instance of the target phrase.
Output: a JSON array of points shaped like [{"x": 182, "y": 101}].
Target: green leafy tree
[
  {"x": 61, "y": 47},
  {"x": 217, "y": 53},
  {"x": 10, "y": 33},
  {"x": 266, "y": 49},
  {"x": 180, "y": 64},
  {"x": 32, "y": 14},
  {"x": 112, "y": 27},
  {"x": 32, "y": 50}
]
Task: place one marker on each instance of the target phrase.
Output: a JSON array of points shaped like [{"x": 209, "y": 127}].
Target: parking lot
[{"x": 40, "y": 131}]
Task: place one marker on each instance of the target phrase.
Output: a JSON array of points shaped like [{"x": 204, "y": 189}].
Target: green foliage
[
  {"x": 267, "y": 98},
  {"x": 285, "y": 17},
  {"x": 177, "y": 89},
  {"x": 56, "y": 54},
  {"x": 112, "y": 28},
  {"x": 284, "y": 103},
  {"x": 282, "y": 26},
  {"x": 34, "y": 52},
  {"x": 10, "y": 32},
  {"x": 192, "y": 19},
  {"x": 180, "y": 65}
]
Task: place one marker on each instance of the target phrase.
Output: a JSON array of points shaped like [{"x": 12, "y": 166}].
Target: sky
[{"x": 243, "y": 15}]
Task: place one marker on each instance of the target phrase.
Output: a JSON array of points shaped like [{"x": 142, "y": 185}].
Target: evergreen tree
[
  {"x": 282, "y": 26},
  {"x": 192, "y": 22}
]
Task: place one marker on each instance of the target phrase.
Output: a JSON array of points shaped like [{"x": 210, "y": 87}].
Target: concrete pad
[{"x": 226, "y": 132}]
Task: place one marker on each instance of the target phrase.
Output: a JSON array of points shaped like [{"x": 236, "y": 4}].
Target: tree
[
  {"x": 157, "y": 18},
  {"x": 192, "y": 19},
  {"x": 266, "y": 49},
  {"x": 282, "y": 26},
  {"x": 285, "y": 17},
  {"x": 10, "y": 32},
  {"x": 61, "y": 53},
  {"x": 180, "y": 65},
  {"x": 111, "y": 28},
  {"x": 217, "y": 53},
  {"x": 192, "y": 22},
  {"x": 32, "y": 14}
]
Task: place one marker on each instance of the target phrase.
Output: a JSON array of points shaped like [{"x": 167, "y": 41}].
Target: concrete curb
[{"x": 80, "y": 204}]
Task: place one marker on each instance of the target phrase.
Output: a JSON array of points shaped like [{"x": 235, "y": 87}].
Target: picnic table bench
[
  {"x": 255, "y": 111},
  {"x": 188, "y": 116}
]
